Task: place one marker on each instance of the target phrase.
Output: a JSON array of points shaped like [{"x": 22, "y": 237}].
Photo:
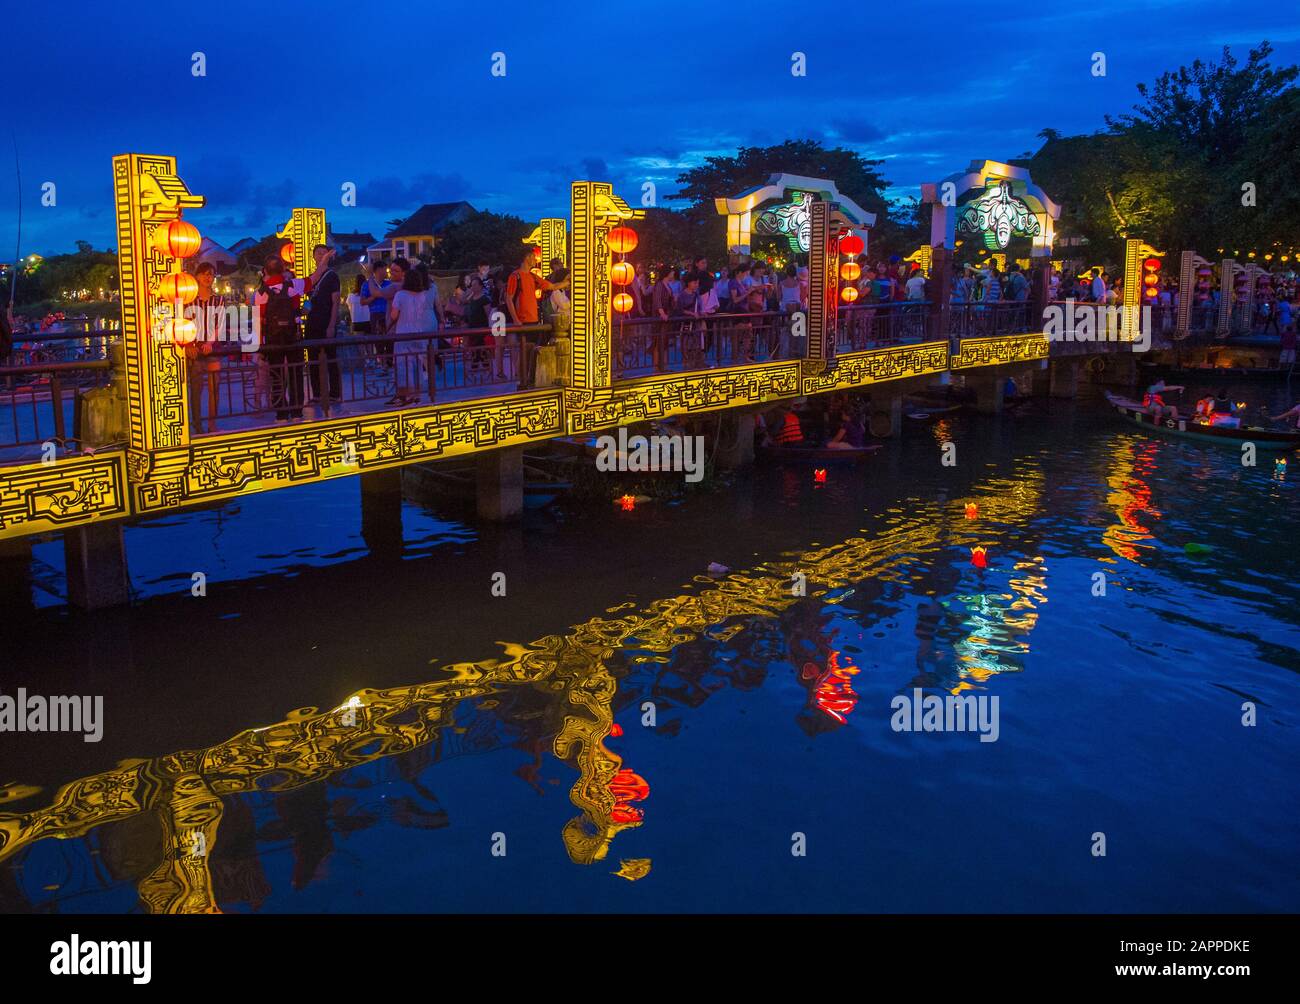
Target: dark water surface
[{"x": 483, "y": 719}]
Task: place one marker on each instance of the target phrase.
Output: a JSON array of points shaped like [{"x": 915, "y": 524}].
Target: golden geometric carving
[
  {"x": 306, "y": 228},
  {"x": 265, "y": 459},
  {"x": 1000, "y": 349},
  {"x": 35, "y": 498},
  {"x": 860, "y": 369},
  {"x": 688, "y": 394},
  {"x": 551, "y": 235},
  {"x": 595, "y": 210}
]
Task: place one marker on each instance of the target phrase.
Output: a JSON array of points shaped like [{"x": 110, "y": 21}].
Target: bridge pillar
[
  {"x": 95, "y": 557},
  {"x": 501, "y": 484},
  {"x": 1064, "y": 378},
  {"x": 988, "y": 390},
  {"x": 887, "y": 415},
  {"x": 940, "y": 293},
  {"x": 381, "y": 511},
  {"x": 735, "y": 453},
  {"x": 15, "y": 575}
]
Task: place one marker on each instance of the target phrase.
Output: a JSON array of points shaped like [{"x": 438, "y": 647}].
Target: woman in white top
[
  {"x": 358, "y": 312},
  {"x": 406, "y": 317}
]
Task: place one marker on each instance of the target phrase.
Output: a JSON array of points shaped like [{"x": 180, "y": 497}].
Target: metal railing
[
  {"x": 356, "y": 373},
  {"x": 40, "y": 403}
]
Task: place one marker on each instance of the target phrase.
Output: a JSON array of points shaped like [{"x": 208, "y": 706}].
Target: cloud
[
  {"x": 856, "y": 130},
  {"x": 396, "y": 193}
]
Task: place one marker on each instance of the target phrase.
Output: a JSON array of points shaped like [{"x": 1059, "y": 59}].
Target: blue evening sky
[{"x": 399, "y": 98}]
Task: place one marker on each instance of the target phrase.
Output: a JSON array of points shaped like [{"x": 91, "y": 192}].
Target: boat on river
[{"x": 1187, "y": 427}]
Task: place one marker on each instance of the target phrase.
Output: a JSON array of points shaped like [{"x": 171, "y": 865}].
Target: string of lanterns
[
  {"x": 622, "y": 241},
  {"x": 177, "y": 239},
  {"x": 850, "y": 271}
]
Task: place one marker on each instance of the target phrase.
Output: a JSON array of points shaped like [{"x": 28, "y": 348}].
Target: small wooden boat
[
  {"x": 816, "y": 454},
  {"x": 1186, "y": 427},
  {"x": 930, "y": 413}
]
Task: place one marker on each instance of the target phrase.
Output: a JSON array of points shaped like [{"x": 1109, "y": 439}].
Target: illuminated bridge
[{"x": 605, "y": 372}]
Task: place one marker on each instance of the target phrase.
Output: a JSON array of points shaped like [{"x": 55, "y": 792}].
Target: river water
[{"x": 622, "y": 731}]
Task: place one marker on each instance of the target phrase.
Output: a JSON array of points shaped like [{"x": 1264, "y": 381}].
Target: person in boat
[
  {"x": 1154, "y": 402},
  {"x": 788, "y": 431},
  {"x": 1293, "y": 413},
  {"x": 1205, "y": 408},
  {"x": 1224, "y": 411},
  {"x": 851, "y": 435}
]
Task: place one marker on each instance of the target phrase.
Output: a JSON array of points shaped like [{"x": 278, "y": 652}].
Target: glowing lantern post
[
  {"x": 1150, "y": 280},
  {"x": 177, "y": 239}
]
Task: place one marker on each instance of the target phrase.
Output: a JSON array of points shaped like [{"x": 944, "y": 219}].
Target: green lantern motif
[
  {"x": 794, "y": 219},
  {"x": 997, "y": 216}
]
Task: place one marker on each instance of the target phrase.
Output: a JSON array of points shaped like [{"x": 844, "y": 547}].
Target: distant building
[
  {"x": 420, "y": 232},
  {"x": 221, "y": 259},
  {"x": 345, "y": 243}
]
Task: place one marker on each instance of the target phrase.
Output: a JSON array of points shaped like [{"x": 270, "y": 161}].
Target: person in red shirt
[{"x": 524, "y": 289}]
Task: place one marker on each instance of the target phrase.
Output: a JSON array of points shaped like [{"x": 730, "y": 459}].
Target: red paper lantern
[
  {"x": 622, "y": 240},
  {"x": 852, "y": 244},
  {"x": 850, "y": 271},
  {"x": 178, "y": 286},
  {"x": 287, "y": 253},
  {"x": 623, "y": 302},
  {"x": 177, "y": 239},
  {"x": 621, "y": 274}
]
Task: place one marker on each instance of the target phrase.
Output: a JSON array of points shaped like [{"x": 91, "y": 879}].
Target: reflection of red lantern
[
  {"x": 622, "y": 240},
  {"x": 849, "y": 293},
  {"x": 177, "y": 239},
  {"x": 979, "y": 557},
  {"x": 852, "y": 244},
  {"x": 178, "y": 286},
  {"x": 621, "y": 274},
  {"x": 850, "y": 271},
  {"x": 623, "y": 302},
  {"x": 287, "y": 253},
  {"x": 972, "y": 510}
]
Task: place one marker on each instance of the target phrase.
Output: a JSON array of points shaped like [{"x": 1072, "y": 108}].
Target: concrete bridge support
[
  {"x": 95, "y": 556},
  {"x": 988, "y": 386},
  {"x": 887, "y": 415},
  {"x": 381, "y": 511},
  {"x": 501, "y": 484},
  {"x": 1064, "y": 377},
  {"x": 735, "y": 441}
]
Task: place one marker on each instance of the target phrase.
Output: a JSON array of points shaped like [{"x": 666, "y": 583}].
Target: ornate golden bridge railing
[{"x": 162, "y": 467}]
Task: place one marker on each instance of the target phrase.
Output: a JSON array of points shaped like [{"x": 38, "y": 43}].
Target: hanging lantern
[
  {"x": 621, "y": 274},
  {"x": 852, "y": 244},
  {"x": 623, "y": 302},
  {"x": 850, "y": 271},
  {"x": 622, "y": 240},
  {"x": 179, "y": 331},
  {"x": 849, "y": 293},
  {"x": 177, "y": 239},
  {"x": 287, "y": 253},
  {"x": 178, "y": 286}
]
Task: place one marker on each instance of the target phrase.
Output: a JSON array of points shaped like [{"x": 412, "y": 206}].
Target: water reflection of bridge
[{"x": 181, "y": 799}]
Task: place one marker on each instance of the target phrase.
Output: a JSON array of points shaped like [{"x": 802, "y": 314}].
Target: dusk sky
[{"x": 402, "y": 101}]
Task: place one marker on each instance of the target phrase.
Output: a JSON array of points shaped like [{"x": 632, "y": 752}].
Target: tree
[
  {"x": 855, "y": 177},
  {"x": 496, "y": 238}
]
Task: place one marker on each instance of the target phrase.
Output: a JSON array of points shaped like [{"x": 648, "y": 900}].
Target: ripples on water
[{"x": 523, "y": 716}]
